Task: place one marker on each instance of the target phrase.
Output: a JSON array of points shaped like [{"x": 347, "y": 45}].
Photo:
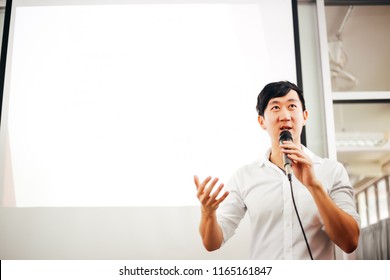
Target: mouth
[{"x": 285, "y": 128}]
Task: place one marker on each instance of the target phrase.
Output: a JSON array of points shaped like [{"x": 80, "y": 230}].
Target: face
[{"x": 284, "y": 113}]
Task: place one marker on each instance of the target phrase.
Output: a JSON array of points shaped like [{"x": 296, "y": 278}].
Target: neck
[{"x": 276, "y": 157}]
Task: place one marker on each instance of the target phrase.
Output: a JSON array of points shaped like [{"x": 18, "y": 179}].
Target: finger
[
  {"x": 297, "y": 153},
  {"x": 216, "y": 192},
  {"x": 286, "y": 142},
  {"x": 289, "y": 145},
  {"x": 293, "y": 152},
  {"x": 202, "y": 185},
  {"x": 297, "y": 159},
  {"x": 205, "y": 197},
  {"x": 210, "y": 187},
  {"x": 196, "y": 181},
  {"x": 219, "y": 200},
  {"x": 289, "y": 148}
]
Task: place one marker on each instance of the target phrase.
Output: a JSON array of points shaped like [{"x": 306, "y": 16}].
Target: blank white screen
[{"x": 120, "y": 105}]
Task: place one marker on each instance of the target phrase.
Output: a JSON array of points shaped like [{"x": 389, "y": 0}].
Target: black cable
[{"x": 299, "y": 219}]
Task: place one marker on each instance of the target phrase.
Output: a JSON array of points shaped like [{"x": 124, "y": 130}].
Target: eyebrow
[{"x": 273, "y": 101}]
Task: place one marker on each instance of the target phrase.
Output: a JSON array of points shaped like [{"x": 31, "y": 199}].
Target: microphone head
[{"x": 285, "y": 135}]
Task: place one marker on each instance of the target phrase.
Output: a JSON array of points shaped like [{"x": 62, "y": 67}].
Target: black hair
[{"x": 276, "y": 89}]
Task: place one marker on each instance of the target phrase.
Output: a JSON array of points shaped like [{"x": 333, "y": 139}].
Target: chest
[{"x": 269, "y": 200}]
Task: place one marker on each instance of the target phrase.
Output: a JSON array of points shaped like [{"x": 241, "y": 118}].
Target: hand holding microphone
[{"x": 294, "y": 159}]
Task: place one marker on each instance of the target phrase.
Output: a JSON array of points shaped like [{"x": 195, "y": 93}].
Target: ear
[
  {"x": 261, "y": 121},
  {"x": 305, "y": 117}
]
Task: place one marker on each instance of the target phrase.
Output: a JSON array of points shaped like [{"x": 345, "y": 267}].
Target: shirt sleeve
[
  {"x": 342, "y": 192},
  {"x": 232, "y": 210}
]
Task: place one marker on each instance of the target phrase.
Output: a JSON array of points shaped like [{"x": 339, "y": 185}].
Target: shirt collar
[{"x": 314, "y": 158}]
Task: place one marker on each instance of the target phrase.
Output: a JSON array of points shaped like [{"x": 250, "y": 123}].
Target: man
[{"x": 321, "y": 188}]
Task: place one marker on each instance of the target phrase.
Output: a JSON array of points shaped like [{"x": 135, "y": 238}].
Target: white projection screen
[{"x": 120, "y": 103}]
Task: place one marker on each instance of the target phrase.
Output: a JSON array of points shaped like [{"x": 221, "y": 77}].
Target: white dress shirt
[{"x": 263, "y": 190}]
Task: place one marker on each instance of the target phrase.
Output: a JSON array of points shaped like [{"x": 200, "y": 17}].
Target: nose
[{"x": 285, "y": 115}]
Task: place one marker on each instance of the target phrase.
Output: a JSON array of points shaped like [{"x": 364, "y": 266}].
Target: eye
[
  {"x": 275, "y": 107},
  {"x": 293, "y": 106}
]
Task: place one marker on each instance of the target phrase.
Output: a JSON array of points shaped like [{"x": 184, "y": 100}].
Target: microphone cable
[{"x": 299, "y": 219}]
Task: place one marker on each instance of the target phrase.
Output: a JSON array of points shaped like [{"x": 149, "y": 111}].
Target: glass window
[
  {"x": 382, "y": 199},
  {"x": 362, "y": 208},
  {"x": 371, "y": 199}
]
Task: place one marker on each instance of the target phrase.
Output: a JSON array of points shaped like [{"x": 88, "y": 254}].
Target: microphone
[{"x": 285, "y": 135}]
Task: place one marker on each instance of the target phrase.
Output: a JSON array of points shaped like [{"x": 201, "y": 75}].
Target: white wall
[{"x": 110, "y": 233}]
